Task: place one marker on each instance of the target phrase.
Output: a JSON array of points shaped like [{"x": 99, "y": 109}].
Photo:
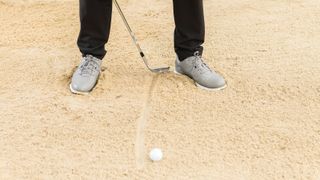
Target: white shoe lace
[
  {"x": 89, "y": 67},
  {"x": 199, "y": 64}
]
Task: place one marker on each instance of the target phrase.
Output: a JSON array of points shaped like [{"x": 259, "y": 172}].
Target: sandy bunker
[{"x": 265, "y": 125}]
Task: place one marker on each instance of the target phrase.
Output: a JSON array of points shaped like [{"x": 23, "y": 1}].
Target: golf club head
[{"x": 160, "y": 70}]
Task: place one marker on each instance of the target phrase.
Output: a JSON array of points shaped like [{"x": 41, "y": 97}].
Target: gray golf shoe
[
  {"x": 196, "y": 69},
  {"x": 86, "y": 76}
]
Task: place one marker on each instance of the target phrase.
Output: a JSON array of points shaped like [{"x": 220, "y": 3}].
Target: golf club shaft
[{"x": 134, "y": 39}]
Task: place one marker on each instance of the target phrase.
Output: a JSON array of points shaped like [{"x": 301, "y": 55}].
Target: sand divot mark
[{"x": 142, "y": 121}]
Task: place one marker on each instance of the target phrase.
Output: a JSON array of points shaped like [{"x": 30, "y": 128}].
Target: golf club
[{"x": 135, "y": 41}]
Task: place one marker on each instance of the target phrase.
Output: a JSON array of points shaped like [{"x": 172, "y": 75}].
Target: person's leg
[
  {"x": 190, "y": 28},
  {"x": 188, "y": 39},
  {"x": 95, "y": 17}
]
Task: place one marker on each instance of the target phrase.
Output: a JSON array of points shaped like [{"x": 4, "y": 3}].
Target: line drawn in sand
[{"x": 142, "y": 121}]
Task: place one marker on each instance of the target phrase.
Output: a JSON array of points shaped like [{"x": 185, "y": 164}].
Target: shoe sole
[
  {"x": 200, "y": 86},
  {"x": 77, "y": 92}
]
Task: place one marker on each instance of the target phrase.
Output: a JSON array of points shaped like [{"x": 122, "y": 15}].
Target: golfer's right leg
[{"x": 95, "y": 17}]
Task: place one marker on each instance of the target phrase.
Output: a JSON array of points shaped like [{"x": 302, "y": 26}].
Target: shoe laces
[
  {"x": 89, "y": 66},
  {"x": 199, "y": 64}
]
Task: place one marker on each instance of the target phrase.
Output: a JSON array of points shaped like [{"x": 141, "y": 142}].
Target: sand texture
[{"x": 265, "y": 125}]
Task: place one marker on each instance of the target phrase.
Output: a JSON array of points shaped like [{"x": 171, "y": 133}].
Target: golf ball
[{"x": 156, "y": 154}]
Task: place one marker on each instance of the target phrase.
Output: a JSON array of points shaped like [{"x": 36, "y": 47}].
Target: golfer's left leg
[
  {"x": 189, "y": 36},
  {"x": 189, "y": 33}
]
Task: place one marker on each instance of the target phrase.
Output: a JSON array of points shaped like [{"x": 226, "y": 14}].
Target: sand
[{"x": 265, "y": 125}]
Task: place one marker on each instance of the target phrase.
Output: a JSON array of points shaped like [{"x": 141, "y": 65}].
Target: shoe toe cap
[
  {"x": 213, "y": 82},
  {"x": 218, "y": 82},
  {"x": 82, "y": 84},
  {"x": 80, "y": 87}
]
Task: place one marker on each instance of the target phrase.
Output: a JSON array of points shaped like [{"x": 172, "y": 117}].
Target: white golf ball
[{"x": 156, "y": 154}]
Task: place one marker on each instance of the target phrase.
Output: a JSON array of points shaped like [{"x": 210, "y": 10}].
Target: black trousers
[{"x": 95, "y": 17}]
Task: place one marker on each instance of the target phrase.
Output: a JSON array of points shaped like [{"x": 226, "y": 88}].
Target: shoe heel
[
  {"x": 177, "y": 69},
  {"x": 177, "y": 72}
]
